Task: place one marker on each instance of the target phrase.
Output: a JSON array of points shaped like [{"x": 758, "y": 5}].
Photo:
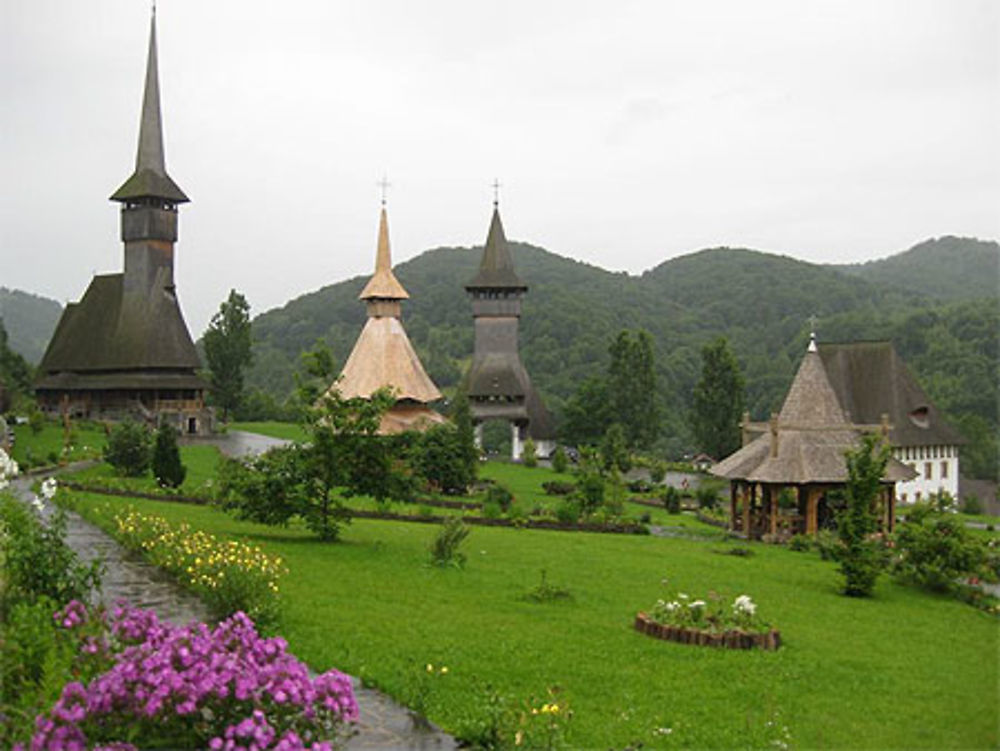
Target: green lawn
[
  {"x": 201, "y": 463},
  {"x": 904, "y": 669},
  {"x": 45, "y": 448}
]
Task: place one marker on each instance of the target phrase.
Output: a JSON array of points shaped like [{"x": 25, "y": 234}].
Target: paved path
[
  {"x": 236, "y": 442},
  {"x": 383, "y": 723}
]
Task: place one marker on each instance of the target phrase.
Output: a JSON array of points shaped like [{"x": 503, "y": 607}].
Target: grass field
[
  {"x": 201, "y": 463},
  {"x": 904, "y": 669},
  {"x": 45, "y": 448}
]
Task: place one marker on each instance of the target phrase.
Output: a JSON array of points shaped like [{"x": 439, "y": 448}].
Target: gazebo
[{"x": 780, "y": 480}]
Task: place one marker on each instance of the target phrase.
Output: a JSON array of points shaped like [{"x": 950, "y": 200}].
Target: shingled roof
[
  {"x": 111, "y": 331},
  {"x": 150, "y": 179},
  {"x": 383, "y": 356},
  {"x": 870, "y": 379},
  {"x": 812, "y": 436},
  {"x": 496, "y": 270}
]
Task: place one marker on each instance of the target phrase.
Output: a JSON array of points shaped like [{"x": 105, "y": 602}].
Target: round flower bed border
[{"x": 732, "y": 639}]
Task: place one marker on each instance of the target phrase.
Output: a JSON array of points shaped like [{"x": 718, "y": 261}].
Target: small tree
[
  {"x": 228, "y": 350},
  {"x": 528, "y": 456},
  {"x": 444, "y": 548},
  {"x": 614, "y": 451},
  {"x": 559, "y": 460},
  {"x": 128, "y": 448},
  {"x": 862, "y": 556},
  {"x": 466, "y": 447},
  {"x": 168, "y": 469},
  {"x": 590, "y": 485}
]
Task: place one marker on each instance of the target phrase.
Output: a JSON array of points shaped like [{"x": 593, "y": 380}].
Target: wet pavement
[
  {"x": 236, "y": 442},
  {"x": 383, "y": 724}
]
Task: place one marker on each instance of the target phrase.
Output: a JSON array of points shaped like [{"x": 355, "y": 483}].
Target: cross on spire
[
  {"x": 384, "y": 184},
  {"x": 812, "y": 333},
  {"x": 496, "y": 192}
]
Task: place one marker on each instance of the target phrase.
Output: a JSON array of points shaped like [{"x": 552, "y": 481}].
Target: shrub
[
  {"x": 545, "y": 592},
  {"x": 444, "y": 547},
  {"x": 657, "y": 471},
  {"x": 589, "y": 482},
  {"x": 168, "y": 469},
  {"x": 671, "y": 498},
  {"x": 492, "y": 510},
  {"x": 529, "y": 457},
  {"x": 827, "y": 545},
  {"x": 568, "y": 511},
  {"x": 37, "y": 561},
  {"x": 972, "y": 505},
  {"x": 934, "y": 549},
  {"x": 440, "y": 458},
  {"x": 128, "y": 449},
  {"x": 501, "y": 496},
  {"x": 640, "y": 486},
  {"x": 862, "y": 557},
  {"x": 707, "y": 497},
  {"x": 559, "y": 461},
  {"x": 614, "y": 450},
  {"x": 800, "y": 543},
  {"x": 555, "y": 487}
]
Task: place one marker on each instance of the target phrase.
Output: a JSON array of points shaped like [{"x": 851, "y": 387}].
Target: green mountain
[
  {"x": 29, "y": 320},
  {"x": 948, "y": 268},
  {"x": 761, "y": 302}
]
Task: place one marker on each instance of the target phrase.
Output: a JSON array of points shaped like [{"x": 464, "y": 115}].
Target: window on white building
[
  {"x": 944, "y": 470},
  {"x": 928, "y": 470}
]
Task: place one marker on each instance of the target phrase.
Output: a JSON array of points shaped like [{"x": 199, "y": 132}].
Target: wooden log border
[{"x": 732, "y": 639}]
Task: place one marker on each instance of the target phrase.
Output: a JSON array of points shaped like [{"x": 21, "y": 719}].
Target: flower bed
[
  {"x": 228, "y": 575},
  {"x": 731, "y": 639},
  {"x": 167, "y": 686},
  {"x": 709, "y": 623}
]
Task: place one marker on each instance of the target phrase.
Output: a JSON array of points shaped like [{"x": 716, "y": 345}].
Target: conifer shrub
[
  {"x": 862, "y": 556},
  {"x": 671, "y": 498},
  {"x": 128, "y": 448},
  {"x": 168, "y": 469},
  {"x": 500, "y": 496},
  {"x": 529, "y": 455},
  {"x": 559, "y": 461}
]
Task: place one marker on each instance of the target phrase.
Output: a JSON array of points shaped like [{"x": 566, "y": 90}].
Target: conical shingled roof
[
  {"x": 150, "y": 179},
  {"x": 383, "y": 285},
  {"x": 496, "y": 270},
  {"x": 383, "y": 356}
]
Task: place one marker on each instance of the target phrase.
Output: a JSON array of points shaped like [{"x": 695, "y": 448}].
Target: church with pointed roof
[
  {"x": 383, "y": 356},
  {"x": 497, "y": 384},
  {"x": 124, "y": 350}
]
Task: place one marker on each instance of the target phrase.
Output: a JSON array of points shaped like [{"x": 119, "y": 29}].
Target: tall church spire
[
  {"x": 150, "y": 179},
  {"x": 383, "y": 285},
  {"x": 496, "y": 270}
]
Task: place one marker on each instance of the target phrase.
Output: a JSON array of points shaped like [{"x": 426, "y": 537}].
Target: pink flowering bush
[{"x": 191, "y": 687}]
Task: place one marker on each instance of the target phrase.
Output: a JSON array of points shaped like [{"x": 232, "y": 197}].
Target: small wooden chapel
[
  {"x": 801, "y": 450},
  {"x": 383, "y": 355}
]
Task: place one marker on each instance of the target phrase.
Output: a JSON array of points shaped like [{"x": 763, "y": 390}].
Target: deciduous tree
[
  {"x": 228, "y": 351},
  {"x": 718, "y": 401}
]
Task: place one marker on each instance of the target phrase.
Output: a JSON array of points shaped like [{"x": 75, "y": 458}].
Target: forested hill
[
  {"x": 760, "y": 302},
  {"x": 29, "y": 320},
  {"x": 949, "y": 268}
]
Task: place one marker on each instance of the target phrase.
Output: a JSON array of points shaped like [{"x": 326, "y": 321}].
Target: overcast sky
[{"x": 623, "y": 133}]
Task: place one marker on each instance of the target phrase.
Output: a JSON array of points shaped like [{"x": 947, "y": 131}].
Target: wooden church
[
  {"x": 383, "y": 355},
  {"x": 124, "y": 350}
]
